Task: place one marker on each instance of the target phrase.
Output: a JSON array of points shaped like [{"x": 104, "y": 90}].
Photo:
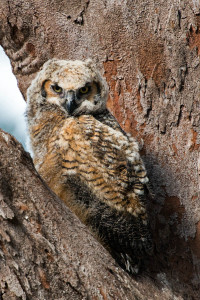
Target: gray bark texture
[{"x": 149, "y": 52}]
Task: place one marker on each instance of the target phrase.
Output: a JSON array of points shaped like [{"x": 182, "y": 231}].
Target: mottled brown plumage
[{"x": 87, "y": 159}]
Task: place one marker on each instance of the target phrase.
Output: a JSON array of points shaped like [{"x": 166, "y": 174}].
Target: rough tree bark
[
  {"x": 45, "y": 251},
  {"x": 150, "y": 53}
]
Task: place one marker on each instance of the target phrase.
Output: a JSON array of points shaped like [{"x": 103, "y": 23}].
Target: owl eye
[
  {"x": 56, "y": 88},
  {"x": 84, "y": 90}
]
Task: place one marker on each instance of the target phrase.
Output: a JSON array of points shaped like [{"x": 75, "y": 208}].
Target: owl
[{"x": 87, "y": 159}]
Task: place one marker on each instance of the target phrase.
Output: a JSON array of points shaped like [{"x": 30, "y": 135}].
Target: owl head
[{"x": 76, "y": 87}]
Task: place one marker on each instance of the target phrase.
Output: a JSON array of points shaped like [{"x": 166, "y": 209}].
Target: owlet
[{"x": 87, "y": 159}]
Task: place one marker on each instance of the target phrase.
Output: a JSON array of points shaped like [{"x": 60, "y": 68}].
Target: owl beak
[{"x": 70, "y": 102}]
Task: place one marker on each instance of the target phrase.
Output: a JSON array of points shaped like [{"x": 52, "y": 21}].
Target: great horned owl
[{"x": 87, "y": 159}]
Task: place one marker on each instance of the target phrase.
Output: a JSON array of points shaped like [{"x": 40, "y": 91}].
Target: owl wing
[
  {"x": 108, "y": 175},
  {"x": 108, "y": 119},
  {"x": 107, "y": 161}
]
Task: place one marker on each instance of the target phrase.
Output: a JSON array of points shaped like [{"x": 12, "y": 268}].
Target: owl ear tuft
[
  {"x": 49, "y": 62},
  {"x": 90, "y": 63}
]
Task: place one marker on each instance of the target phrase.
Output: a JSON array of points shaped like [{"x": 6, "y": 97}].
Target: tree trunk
[{"x": 149, "y": 51}]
